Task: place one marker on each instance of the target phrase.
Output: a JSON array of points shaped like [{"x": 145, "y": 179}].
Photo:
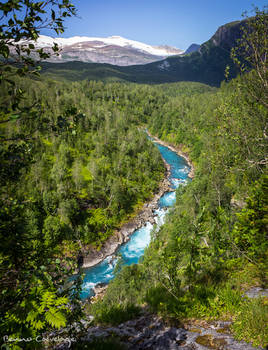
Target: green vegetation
[
  {"x": 31, "y": 276},
  {"x": 83, "y": 171},
  {"x": 76, "y": 164},
  {"x": 213, "y": 246}
]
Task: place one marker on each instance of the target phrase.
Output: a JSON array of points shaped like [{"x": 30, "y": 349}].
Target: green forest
[
  {"x": 76, "y": 165},
  {"x": 213, "y": 245}
]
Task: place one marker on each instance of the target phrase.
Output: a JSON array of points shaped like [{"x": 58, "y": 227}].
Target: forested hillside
[
  {"x": 76, "y": 164},
  {"x": 213, "y": 246},
  {"x": 214, "y": 243},
  {"x": 73, "y": 174}
]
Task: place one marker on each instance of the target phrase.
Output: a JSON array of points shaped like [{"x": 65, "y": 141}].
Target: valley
[
  {"x": 136, "y": 239},
  {"x": 98, "y": 194}
]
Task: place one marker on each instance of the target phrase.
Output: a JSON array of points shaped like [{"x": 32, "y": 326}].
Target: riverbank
[
  {"x": 146, "y": 214},
  {"x": 177, "y": 150}
]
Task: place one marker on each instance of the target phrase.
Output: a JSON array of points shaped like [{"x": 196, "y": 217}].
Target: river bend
[{"x": 133, "y": 250}]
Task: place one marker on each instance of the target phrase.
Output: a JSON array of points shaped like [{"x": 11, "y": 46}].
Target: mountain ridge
[
  {"x": 207, "y": 65},
  {"x": 114, "y": 50}
]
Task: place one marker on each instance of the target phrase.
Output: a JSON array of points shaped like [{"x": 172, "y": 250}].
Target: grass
[
  {"x": 114, "y": 314},
  {"x": 251, "y": 322}
]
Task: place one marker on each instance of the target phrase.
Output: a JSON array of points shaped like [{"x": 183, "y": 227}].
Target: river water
[{"x": 133, "y": 250}]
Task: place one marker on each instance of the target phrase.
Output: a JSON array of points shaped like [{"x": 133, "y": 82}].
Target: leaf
[
  {"x": 5, "y": 51},
  {"x": 39, "y": 325},
  {"x": 61, "y": 301},
  {"x": 56, "y": 320},
  {"x": 14, "y": 116},
  {"x": 31, "y": 317}
]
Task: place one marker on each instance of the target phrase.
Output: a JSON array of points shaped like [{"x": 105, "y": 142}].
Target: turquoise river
[{"x": 133, "y": 250}]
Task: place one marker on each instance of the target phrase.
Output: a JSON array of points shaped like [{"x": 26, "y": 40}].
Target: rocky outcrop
[
  {"x": 151, "y": 332},
  {"x": 256, "y": 292},
  {"x": 146, "y": 332},
  {"x": 226, "y": 36},
  {"x": 112, "y": 54},
  {"x": 99, "y": 292}
]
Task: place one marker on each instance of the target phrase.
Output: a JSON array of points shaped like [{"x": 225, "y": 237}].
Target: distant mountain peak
[
  {"x": 113, "y": 49},
  {"x": 192, "y": 48}
]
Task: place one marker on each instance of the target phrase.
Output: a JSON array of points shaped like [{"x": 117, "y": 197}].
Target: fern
[{"x": 55, "y": 319}]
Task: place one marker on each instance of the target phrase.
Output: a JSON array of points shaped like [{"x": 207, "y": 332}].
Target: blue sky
[{"x": 172, "y": 22}]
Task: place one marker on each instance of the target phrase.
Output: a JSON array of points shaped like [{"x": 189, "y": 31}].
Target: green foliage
[
  {"x": 76, "y": 173},
  {"x": 113, "y": 314},
  {"x": 75, "y": 181},
  {"x": 250, "y": 230},
  {"x": 251, "y": 322},
  {"x": 251, "y": 52},
  {"x": 31, "y": 276},
  {"x": 119, "y": 301},
  {"x": 31, "y": 303},
  {"x": 50, "y": 308},
  {"x": 213, "y": 245},
  {"x": 21, "y": 22}
]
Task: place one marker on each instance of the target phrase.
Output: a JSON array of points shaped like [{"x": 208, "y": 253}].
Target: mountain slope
[
  {"x": 113, "y": 50},
  {"x": 207, "y": 65},
  {"x": 192, "y": 48}
]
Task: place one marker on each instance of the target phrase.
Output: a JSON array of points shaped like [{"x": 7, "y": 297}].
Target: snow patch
[
  {"x": 46, "y": 41},
  {"x": 164, "y": 65}
]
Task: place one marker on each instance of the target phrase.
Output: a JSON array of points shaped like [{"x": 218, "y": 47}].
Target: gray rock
[
  {"x": 256, "y": 292},
  {"x": 150, "y": 332}
]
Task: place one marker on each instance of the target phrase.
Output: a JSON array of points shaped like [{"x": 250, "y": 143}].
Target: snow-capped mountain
[{"x": 114, "y": 50}]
